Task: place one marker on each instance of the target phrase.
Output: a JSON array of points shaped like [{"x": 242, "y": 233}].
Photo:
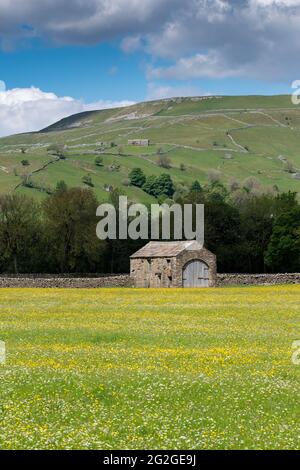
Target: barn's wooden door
[{"x": 195, "y": 274}]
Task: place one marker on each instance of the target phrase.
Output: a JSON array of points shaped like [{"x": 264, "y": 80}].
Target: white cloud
[
  {"x": 255, "y": 39},
  {"x": 274, "y": 2},
  {"x": 81, "y": 21},
  {"x": 199, "y": 38},
  {"x": 200, "y": 65},
  {"x": 31, "y": 109},
  {"x": 131, "y": 44}
]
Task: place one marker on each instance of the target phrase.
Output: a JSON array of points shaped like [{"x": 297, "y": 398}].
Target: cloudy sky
[{"x": 59, "y": 57}]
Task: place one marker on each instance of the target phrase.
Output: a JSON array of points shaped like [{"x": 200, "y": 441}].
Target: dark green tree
[
  {"x": 70, "y": 228},
  {"x": 283, "y": 252},
  {"x": 161, "y": 185},
  {"x": 137, "y": 177},
  {"x": 223, "y": 234},
  {"x": 99, "y": 161},
  {"x": 149, "y": 185},
  {"x": 87, "y": 179},
  {"x": 196, "y": 186},
  {"x": 257, "y": 216},
  {"x": 285, "y": 202},
  {"x": 164, "y": 186},
  {"x": 20, "y": 231}
]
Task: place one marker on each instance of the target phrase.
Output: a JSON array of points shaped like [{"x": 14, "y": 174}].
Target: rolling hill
[{"x": 237, "y": 137}]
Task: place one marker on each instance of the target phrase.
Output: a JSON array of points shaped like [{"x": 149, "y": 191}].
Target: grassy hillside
[{"x": 237, "y": 136}]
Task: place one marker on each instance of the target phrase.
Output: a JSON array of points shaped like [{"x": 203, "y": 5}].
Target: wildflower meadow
[{"x": 145, "y": 369}]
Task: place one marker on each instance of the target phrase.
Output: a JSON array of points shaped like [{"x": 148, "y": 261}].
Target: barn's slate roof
[{"x": 166, "y": 249}]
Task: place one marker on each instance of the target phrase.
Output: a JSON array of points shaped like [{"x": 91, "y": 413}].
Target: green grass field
[
  {"x": 240, "y": 137},
  {"x": 154, "y": 369}
]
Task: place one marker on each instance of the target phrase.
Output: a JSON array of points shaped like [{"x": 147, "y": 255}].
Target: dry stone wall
[
  {"x": 124, "y": 280},
  {"x": 257, "y": 279},
  {"x": 66, "y": 282}
]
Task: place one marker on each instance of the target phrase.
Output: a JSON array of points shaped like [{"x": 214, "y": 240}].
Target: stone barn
[
  {"x": 173, "y": 264},
  {"x": 139, "y": 142}
]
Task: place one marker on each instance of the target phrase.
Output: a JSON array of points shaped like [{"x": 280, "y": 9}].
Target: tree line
[{"x": 250, "y": 232}]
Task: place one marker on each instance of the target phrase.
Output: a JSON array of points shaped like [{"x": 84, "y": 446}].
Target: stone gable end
[{"x": 187, "y": 265}]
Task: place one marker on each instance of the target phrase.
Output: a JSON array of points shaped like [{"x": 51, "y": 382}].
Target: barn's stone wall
[
  {"x": 154, "y": 272},
  {"x": 202, "y": 255},
  {"x": 167, "y": 271}
]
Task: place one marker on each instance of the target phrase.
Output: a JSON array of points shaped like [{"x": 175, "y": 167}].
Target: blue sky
[
  {"x": 103, "y": 53},
  {"x": 104, "y": 71},
  {"x": 85, "y": 72}
]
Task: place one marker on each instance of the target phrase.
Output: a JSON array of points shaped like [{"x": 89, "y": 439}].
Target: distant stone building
[
  {"x": 139, "y": 142},
  {"x": 173, "y": 264},
  {"x": 108, "y": 188}
]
